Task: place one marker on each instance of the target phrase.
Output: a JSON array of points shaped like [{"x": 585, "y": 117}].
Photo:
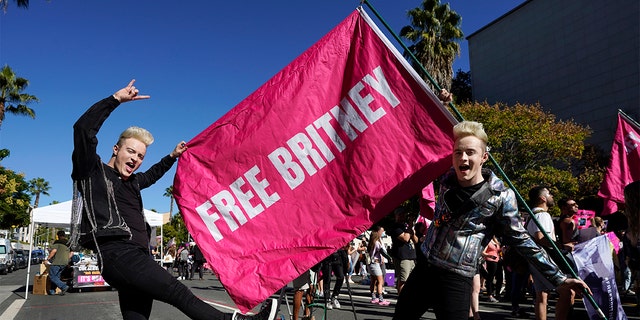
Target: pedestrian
[
  {"x": 338, "y": 263},
  {"x": 403, "y": 246},
  {"x": 198, "y": 262},
  {"x": 183, "y": 263},
  {"x": 58, "y": 260},
  {"x": 303, "y": 288},
  {"x": 377, "y": 253},
  {"x": 107, "y": 216},
  {"x": 473, "y": 206},
  {"x": 493, "y": 261},
  {"x": 542, "y": 200}
]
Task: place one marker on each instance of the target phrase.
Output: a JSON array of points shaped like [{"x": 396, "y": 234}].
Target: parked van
[{"x": 6, "y": 256}]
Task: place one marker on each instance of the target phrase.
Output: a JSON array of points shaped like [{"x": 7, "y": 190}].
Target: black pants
[
  {"x": 338, "y": 271},
  {"x": 429, "y": 287},
  {"x": 494, "y": 271},
  {"x": 140, "y": 280}
]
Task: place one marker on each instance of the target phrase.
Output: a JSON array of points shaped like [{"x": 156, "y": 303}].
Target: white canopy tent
[{"x": 59, "y": 216}]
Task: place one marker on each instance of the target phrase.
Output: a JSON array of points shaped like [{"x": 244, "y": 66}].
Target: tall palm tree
[
  {"x": 434, "y": 32},
  {"x": 168, "y": 192},
  {"x": 12, "y": 98},
  {"x": 38, "y": 186},
  {"x": 21, "y": 4}
]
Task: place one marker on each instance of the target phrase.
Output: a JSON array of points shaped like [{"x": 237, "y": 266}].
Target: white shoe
[
  {"x": 268, "y": 312},
  {"x": 335, "y": 303}
]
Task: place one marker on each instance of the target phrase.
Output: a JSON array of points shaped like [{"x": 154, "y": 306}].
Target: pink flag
[
  {"x": 624, "y": 167},
  {"x": 329, "y": 145}
]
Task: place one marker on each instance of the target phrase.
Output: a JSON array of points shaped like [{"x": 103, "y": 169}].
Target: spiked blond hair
[
  {"x": 137, "y": 133},
  {"x": 470, "y": 128}
]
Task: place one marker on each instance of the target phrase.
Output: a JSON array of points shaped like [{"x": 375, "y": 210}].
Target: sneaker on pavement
[
  {"x": 384, "y": 302},
  {"x": 335, "y": 303},
  {"x": 630, "y": 292},
  {"x": 375, "y": 300},
  {"x": 63, "y": 291},
  {"x": 492, "y": 299},
  {"x": 268, "y": 312}
]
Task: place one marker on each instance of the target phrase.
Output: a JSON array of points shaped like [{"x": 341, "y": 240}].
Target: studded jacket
[{"x": 455, "y": 241}]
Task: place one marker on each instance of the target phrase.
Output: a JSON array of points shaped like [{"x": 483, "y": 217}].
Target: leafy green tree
[
  {"x": 4, "y": 153},
  {"x": 534, "y": 148},
  {"x": 38, "y": 186},
  {"x": 461, "y": 87},
  {"x": 434, "y": 32},
  {"x": 175, "y": 229},
  {"x": 14, "y": 199},
  {"x": 20, "y": 3},
  {"x": 12, "y": 98}
]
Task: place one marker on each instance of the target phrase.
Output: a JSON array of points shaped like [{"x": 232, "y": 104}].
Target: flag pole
[
  {"x": 629, "y": 119},
  {"x": 491, "y": 158}
]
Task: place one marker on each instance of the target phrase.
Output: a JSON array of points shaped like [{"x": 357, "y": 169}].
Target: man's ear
[{"x": 115, "y": 150}]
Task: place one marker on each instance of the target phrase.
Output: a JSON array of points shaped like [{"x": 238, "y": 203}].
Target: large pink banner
[
  {"x": 328, "y": 146},
  {"x": 624, "y": 167}
]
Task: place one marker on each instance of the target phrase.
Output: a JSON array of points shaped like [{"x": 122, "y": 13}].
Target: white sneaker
[
  {"x": 335, "y": 303},
  {"x": 268, "y": 312}
]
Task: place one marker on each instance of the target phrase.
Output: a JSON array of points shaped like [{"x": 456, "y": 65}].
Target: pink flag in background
[
  {"x": 328, "y": 146},
  {"x": 624, "y": 167}
]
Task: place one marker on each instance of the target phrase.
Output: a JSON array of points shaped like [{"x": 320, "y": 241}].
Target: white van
[{"x": 6, "y": 256}]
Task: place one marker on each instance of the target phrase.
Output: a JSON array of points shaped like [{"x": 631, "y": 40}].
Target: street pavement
[{"x": 102, "y": 303}]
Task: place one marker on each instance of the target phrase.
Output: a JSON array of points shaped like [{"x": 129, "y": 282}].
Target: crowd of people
[{"x": 474, "y": 236}]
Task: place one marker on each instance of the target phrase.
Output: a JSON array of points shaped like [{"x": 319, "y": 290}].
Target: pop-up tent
[{"x": 59, "y": 216}]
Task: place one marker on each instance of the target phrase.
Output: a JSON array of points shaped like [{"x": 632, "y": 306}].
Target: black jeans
[
  {"x": 446, "y": 292},
  {"x": 140, "y": 280},
  {"x": 338, "y": 271}
]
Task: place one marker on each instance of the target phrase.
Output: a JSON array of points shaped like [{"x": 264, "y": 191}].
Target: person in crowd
[
  {"x": 596, "y": 228},
  {"x": 516, "y": 268},
  {"x": 403, "y": 246},
  {"x": 107, "y": 216},
  {"x": 198, "y": 262},
  {"x": 352, "y": 253},
  {"x": 183, "y": 262},
  {"x": 567, "y": 227},
  {"x": 169, "y": 259},
  {"x": 377, "y": 252},
  {"x": 338, "y": 263},
  {"x": 58, "y": 260},
  {"x": 474, "y": 308},
  {"x": 632, "y": 236},
  {"x": 473, "y": 205},
  {"x": 362, "y": 250},
  {"x": 492, "y": 257},
  {"x": 303, "y": 289},
  {"x": 541, "y": 199}
]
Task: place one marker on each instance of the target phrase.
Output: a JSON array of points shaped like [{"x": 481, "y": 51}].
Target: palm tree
[
  {"x": 168, "y": 192},
  {"x": 38, "y": 186},
  {"x": 12, "y": 100},
  {"x": 434, "y": 32},
  {"x": 21, "y": 4}
]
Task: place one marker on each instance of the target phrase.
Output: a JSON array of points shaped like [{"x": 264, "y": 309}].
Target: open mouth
[
  {"x": 130, "y": 167},
  {"x": 464, "y": 167}
]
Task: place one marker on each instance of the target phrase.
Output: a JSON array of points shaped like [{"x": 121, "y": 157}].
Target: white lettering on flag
[{"x": 310, "y": 160}]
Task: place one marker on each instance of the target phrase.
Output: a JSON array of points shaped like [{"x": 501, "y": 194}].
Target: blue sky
[{"x": 196, "y": 59}]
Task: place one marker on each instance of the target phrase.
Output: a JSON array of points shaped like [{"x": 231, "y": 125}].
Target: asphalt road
[{"x": 102, "y": 304}]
